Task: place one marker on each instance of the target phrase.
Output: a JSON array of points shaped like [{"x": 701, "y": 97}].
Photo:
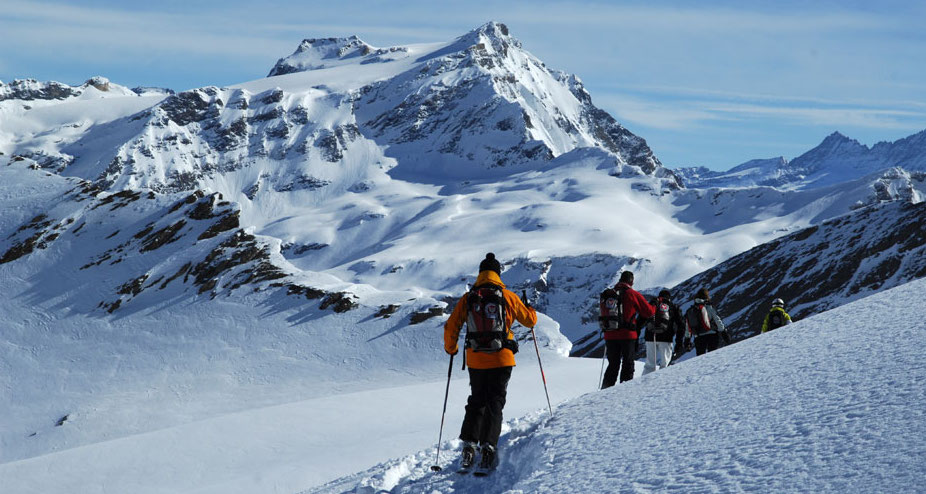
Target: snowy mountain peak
[
  {"x": 839, "y": 143},
  {"x": 321, "y": 53},
  {"x": 493, "y": 35}
]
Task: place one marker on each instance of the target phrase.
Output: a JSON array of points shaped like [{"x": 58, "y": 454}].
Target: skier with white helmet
[{"x": 776, "y": 317}]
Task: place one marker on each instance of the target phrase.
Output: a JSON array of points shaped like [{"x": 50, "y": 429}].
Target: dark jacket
[
  {"x": 676, "y": 325},
  {"x": 634, "y": 305}
]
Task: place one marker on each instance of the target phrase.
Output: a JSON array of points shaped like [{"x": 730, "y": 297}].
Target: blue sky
[{"x": 705, "y": 83}]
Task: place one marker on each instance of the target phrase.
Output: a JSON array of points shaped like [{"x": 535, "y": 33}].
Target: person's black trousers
[
  {"x": 707, "y": 343},
  {"x": 488, "y": 390},
  {"x": 620, "y": 361}
]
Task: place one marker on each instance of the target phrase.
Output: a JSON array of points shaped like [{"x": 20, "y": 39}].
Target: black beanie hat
[
  {"x": 627, "y": 277},
  {"x": 490, "y": 264},
  {"x": 666, "y": 294}
]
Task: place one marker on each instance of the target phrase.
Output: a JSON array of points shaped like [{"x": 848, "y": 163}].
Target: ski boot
[
  {"x": 468, "y": 456},
  {"x": 488, "y": 461}
]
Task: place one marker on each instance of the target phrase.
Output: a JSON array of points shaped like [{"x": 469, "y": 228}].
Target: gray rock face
[
  {"x": 31, "y": 90},
  {"x": 818, "y": 268}
]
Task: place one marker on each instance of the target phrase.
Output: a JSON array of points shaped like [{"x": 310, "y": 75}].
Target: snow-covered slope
[
  {"x": 832, "y": 403},
  {"x": 723, "y": 208},
  {"x": 749, "y": 174}
]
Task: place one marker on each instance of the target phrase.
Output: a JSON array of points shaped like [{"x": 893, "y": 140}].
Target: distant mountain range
[{"x": 835, "y": 160}]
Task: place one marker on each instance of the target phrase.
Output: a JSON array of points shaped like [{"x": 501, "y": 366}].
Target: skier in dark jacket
[
  {"x": 621, "y": 343},
  {"x": 705, "y": 324},
  {"x": 489, "y": 369},
  {"x": 667, "y": 325}
]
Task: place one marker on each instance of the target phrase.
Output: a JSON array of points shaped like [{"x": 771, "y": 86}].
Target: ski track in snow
[{"x": 833, "y": 403}]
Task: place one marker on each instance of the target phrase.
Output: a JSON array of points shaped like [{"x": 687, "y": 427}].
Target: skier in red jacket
[{"x": 621, "y": 343}]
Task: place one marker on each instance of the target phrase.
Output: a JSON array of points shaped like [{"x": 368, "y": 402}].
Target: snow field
[{"x": 285, "y": 448}]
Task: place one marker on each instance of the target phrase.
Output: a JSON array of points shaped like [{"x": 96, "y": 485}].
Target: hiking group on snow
[{"x": 488, "y": 311}]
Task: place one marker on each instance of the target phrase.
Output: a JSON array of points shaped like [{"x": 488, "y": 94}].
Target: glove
[
  {"x": 726, "y": 337},
  {"x": 454, "y": 352}
]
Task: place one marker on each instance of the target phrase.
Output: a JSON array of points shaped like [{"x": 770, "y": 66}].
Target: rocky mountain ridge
[
  {"x": 812, "y": 270},
  {"x": 836, "y": 159}
]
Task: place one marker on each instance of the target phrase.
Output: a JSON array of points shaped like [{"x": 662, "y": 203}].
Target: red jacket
[{"x": 634, "y": 304}]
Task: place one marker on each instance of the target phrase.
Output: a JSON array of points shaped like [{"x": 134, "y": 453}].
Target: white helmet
[{"x": 778, "y": 303}]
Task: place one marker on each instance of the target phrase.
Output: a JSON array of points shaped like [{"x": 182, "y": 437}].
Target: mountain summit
[
  {"x": 477, "y": 107},
  {"x": 314, "y": 54}
]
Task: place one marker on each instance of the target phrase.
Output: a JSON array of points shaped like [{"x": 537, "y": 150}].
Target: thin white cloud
[
  {"x": 881, "y": 118},
  {"x": 653, "y": 113},
  {"x": 676, "y": 114},
  {"x": 709, "y": 19},
  {"x": 662, "y": 91},
  {"x": 88, "y": 32}
]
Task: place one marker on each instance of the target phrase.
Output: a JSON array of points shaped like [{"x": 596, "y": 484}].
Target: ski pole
[
  {"x": 436, "y": 467},
  {"x": 542, "y": 376},
  {"x": 604, "y": 355}
]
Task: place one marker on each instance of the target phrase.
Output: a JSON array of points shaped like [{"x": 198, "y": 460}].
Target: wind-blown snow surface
[{"x": 833, "y": 403}]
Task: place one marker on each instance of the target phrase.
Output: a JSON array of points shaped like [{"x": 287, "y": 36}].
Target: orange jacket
[{"x": 515, "y": 310}]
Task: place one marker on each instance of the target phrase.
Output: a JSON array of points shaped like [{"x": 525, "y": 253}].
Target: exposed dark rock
[
  {"x": 162, "y": 237},
  {"x": 113, "y": 306},
  {"x": 133, "y": 287},
  {"x": 30, "y": 90},
  {"x": 228, "y": 222},
  {"x": 204, "y": 210},
  {"x": 273, "y": 96},
  {"x": 304, "y": 182},
  {"x": 306, "y": 291},
  {"x": 233, "y": 136},
  {"x": 419, "y": 317},
  {"x": 300, "y": 249},
  {"x": 144, "y": 232},
  {"x": 21, "y": 249},
  {"x": 190, "y": 199},
  {"x": 186, "y": 107},
  {"x": 340, "y": 302},
  {"x": 182, "y": 271},
  {"x": 387, "y": 310}
]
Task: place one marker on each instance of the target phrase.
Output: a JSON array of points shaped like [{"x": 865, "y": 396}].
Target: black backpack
[
  {"x": 611, "y": 310},
  {"x": 699, "y": 321},
  {"x": 662, "y": 321},
  {"x": 485, "y": 319},
  {"x": 776, "y": 319}
]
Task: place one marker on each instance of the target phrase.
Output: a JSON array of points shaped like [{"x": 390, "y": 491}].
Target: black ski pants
[
  {"x": 620, "y": 361},
  {"x": 488, "y": 390},
  {"x": 707, "y": 343}
]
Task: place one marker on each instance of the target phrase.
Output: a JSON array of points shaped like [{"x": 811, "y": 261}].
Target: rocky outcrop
[{"x": 818, "y": 268}]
